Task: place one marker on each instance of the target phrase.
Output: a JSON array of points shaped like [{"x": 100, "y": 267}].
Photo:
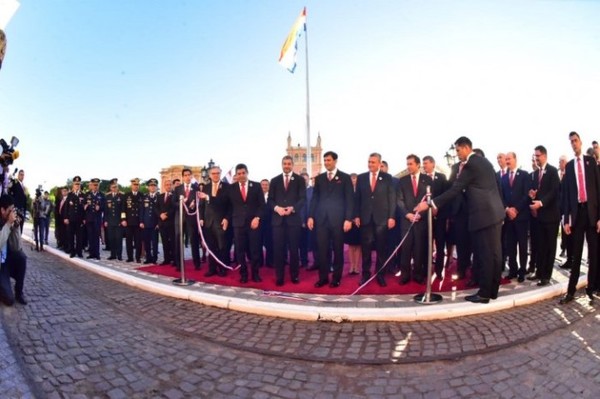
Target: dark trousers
[
  {"x": 306, "y": 245},
  {"x": 439, "y": 234},
  {"x": 114, "y": 236},
  {"x": 464, "y": 248},
  {"x": 377, "y": 235},
  {"x": 583, "y": 228},
  {"x": 60, "y": 232},
  {"x": 286, "y": 237},
  {"x": 167, "y": 236},
  {"x": 216, "y": 238},
  {"x": 14, "y": 267},
  {"x": 534, "y": 242},
  {"x": 75, "y": 237},
  {"x": 190, "y": 226},
  {"x": 247, "y": 240},
  {"x": 133, "y": 239},
  {"x": 515, "y": 236},
  {"x": 39, "y": 230},
  {"x": 414, "y": 248},
  {"x": 487, "y": 248},
  {"x": 546, "y": 248},
  {"x": 327, "y": 237},
  {"x": 93, "y": 234},
  {"x": 151, "y": 243}
]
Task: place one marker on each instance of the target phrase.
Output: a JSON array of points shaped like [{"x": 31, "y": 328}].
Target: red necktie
[
  {"x": 187, "y": 190},
  {"x": 329, "y": 176},
  {"x": 511, "y": 178},
  {"x": 373, "y": 181},
  {"x": 286, "y": 182},
  {"x": 460, "y": 168},
  {"x": 414, "y": 184},
  {"x": 243, "y": 189},
  {"x": 581, "y": 182}
]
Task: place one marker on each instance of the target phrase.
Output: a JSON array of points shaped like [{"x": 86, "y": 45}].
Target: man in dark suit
[
  {"x": 411, "y": 190},
  {"x": 394, "y": 234},
  {"x": 59, "y": 217},
  {"x": 166, "y": 223},
  {"x": 375, "y": 210},
  {"x": 287, "y": 194},
  {"x": 17, "y": 190},
  {"x": 330, "y": 215},
  {"x": 74, "y": 219},
  {"x": 580, "y": 204},
  {"x": 306, "y": 236},
  {"x": 114, "y": 217},
  {"x": 486, "y": 214},
  {"x": 515, "y": 185},
  {"x": 94, "y": 209},
  {"x": 440, "y": 219},
  {"x": 247, "y": 207},
  {"x": 266, "y": 230},
  {"x": 188, "y": 191},
  {"x": 545, "y": 195},
  {"x": 213, "y": 216},
  {"x": 149, "y": 222}
]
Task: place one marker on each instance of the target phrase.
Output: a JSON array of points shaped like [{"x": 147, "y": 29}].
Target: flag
[
  {"x": 229, "y": 176},
  {"x": 287, "y": 58},
  {"x": 7, "y": 10}
]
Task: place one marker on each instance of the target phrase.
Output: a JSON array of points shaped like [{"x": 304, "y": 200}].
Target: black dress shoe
[
  {"x": 590, "y": 295},
  {"x": 147, "y": 262},
  {"x": 295, "y": 280},
  {"x": 543, "y": 283},
  {"x": 321, "y": 283},
  {"x": 521, "y": 279},
  {"x": 566, "y": 299},
  {"x": 256, "y": 279},
  {"x": 334, "y": 284},
  {"x": 364, "y": 280},
  {"x": 244, "y": 279},
  {"x": 381, "y": 281},
  {"x": 420, "y": 281},
  {"x": 532, "y": 277},
  {"x": 279, "y": 283},
  {"x": 476, "y": 299},
  {"x": 210, "y": 273},
  {"x": 221, "y": 272},
  {"x": 21, "y": 299},
  {"x": 72, "y": 256},
  {"x": 566, "y": 265},
  {"x": 119, "y": 258},
  {"x": 129, "y": 260},
  {"x": 111, "y": 258},
  {"x": 404, "y": 281}
]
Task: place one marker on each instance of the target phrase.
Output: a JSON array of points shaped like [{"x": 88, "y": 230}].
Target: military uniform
[
  {"x": 133, "y": 234},
  {"x": 149, "y": 217},
  {"x": 74, "y": 219},
  {"x": 114, "y": 214},
  {"x": 167, "y": 226},
  {"x": 93, "y": 209}
]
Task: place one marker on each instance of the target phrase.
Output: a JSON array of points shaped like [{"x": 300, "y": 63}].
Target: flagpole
[{"x": 308, "y": 149}]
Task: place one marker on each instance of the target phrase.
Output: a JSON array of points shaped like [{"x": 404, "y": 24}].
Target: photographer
[
  {"x": 41, "y": 210},
  {"x": 12, "y": 257}
]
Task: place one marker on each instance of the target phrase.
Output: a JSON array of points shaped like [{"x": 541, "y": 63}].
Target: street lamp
[{"x": 450, "y": 156}]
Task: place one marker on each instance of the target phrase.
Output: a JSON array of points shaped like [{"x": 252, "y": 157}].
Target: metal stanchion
[
  {"x": 428, "y": 298},
  {"x": 182, "y": 280}
]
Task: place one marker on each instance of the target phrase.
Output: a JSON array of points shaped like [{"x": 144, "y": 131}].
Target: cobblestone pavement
[{"x": 85, "y": 336}]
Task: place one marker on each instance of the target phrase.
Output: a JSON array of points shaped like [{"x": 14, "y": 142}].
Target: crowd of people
[{"x": 497, "y": 221}]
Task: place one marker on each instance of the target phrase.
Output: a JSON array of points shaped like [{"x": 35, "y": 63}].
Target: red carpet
[{"x": 308, "y": 278}]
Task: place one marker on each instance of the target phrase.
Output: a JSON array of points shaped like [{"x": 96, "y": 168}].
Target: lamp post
[{"x": 450, "y": 156}]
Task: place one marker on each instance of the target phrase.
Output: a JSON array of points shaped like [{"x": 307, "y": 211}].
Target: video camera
[{"x": 9, "y": 153}]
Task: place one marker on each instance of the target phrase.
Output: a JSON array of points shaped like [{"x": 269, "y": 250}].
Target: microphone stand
[
  {"x": 182, "y": 280},
  {"x": 428, "y": 298}
]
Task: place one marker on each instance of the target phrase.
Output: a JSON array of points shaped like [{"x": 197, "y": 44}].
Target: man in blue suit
[{"x": 515, "y": 185}]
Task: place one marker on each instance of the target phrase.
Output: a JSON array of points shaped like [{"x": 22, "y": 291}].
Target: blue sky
[{"x": 124, "y": 88}]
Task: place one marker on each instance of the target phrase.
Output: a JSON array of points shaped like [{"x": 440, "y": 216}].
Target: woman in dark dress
[{"x": 352, "y": 239}]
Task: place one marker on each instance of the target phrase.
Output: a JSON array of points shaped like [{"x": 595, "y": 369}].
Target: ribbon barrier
[
  {"x": 182, "y": 280},
  {"x": 428, "y": 298}
]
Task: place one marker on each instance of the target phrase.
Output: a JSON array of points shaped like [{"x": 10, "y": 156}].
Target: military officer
[
  {"x": 74, "y": 219},
  {"x": 114, "y": 220},
  {"x": 149, "y": 218},
  {"x": 133, "y": 236},
  {"x": 93, "y": 208}
]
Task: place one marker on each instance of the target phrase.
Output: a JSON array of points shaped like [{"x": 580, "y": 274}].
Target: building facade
[{"x": 298, "y": 153}]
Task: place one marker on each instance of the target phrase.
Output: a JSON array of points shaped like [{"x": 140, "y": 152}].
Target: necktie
[
  {"x": 286, "y": 182},
  {"x": 187, "y": 190},
  {"x": 581, "y": 182},
  {"x": 329, "y": 176},
  {"x": 460, "y": 168},
  {"x": 243, "y": 189},
  {"x": 414, "y": 185},
  {"x": 511, "y": 178},
  {"x": 540, "y": 178},
  {"x": 166, "y": 196},
  {"x": 373, "y": 181}
]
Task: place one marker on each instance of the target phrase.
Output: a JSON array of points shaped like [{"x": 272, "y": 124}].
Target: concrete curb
[{"x": 322, "y": 312}]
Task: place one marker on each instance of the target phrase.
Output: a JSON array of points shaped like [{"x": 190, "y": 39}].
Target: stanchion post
[
  {"x": 428, "y": 298},
  {"x": 182, "y": 280}
]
